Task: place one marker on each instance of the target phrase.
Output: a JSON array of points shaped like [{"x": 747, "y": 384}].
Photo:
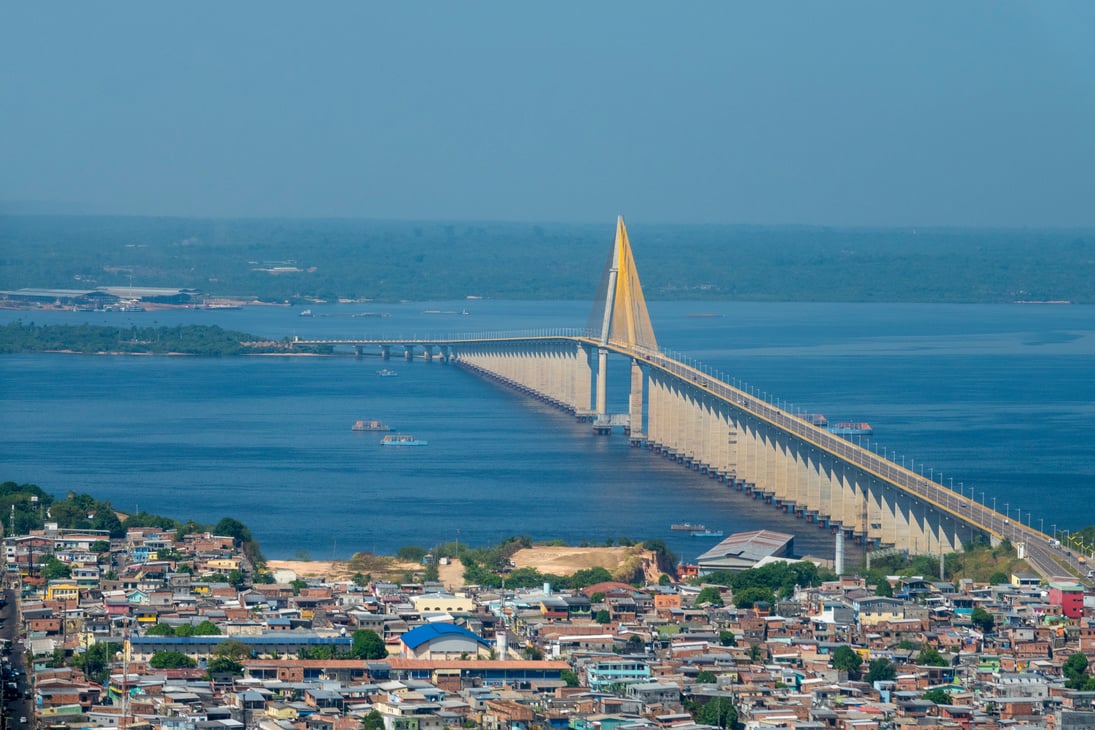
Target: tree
[
  {"x": 160, "y": 630},
  {"x": 207, "y": 628},
  {"x": 52, "y": 569},
  {"x": 983, "y": 620},
  {"x": 938, "y": 696},
  {"x": 706, "y": 677},
  {"x": 569, "y": 677},
  {"x": 232, "y": 649},
  {"x": 929, "y": 656},
  {"x": 727, "y": 638},
  {"x": 223, "y": 665},
  {"x": 171, "y": 660},
  {"x": 756, "y": 652},
  {"x": 883, "y": 588},
  {"x": 711, "y": 595},
  {"x": 998, "y": 578},
  {"x": 749, "y": 597},
  {"x": 1075, "y": 671},
  {"x": 373, "y": 721},
  {"x": 846, "y": 659},
  {"x": 603, "y": 617},
  {"x": 231, "y": 527},
  {"x": 717, "y": 711},
  {"x": 368, "y": 645},
  {"x": 635, "y": 644},
  {"x": 97, "y": 660},
  {"x": 880, "y": 670}
]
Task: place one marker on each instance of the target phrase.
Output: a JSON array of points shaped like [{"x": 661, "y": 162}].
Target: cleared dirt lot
[{"x": 553, "y": 559}]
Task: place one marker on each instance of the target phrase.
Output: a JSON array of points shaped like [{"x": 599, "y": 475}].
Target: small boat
[
  {"x": 370, "y": 426},
  {"x": 401, "y": 439},
  {"x": 851, "y": 428},
  {"x": 707, "y": 533},
  {"x": 386, "y": 373},
  {"x": 687, "y": 527},
  {"x": 305, "y": 313}
]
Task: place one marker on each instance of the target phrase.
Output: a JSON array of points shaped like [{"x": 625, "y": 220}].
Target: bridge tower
[{"x": 620, "y": 317}]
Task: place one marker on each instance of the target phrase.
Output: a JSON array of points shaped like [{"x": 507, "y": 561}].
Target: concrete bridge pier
[
  {"x": 408, "y": 352},
  {"x": 602, "y": 382},
  {"x": 427, "y": 353},
  {"x": 385, "y": 352},
  {"x": 635, "y": 402},
  {"x": 359, "y": 351}
]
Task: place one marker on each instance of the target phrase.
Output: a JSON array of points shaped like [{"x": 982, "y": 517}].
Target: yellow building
[{"x": 62, "y": 590}]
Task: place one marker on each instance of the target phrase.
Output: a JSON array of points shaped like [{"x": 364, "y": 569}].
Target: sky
[{"x": 804, "y": 113}]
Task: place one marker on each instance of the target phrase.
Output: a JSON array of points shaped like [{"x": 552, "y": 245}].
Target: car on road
[{"x": 23, "y": 720}]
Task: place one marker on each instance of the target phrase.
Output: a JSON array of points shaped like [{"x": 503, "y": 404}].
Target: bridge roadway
[{"x": 1042, "y": 553}]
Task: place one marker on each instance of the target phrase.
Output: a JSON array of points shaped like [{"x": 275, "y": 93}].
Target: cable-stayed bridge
[{"x": 693, "y": 416}]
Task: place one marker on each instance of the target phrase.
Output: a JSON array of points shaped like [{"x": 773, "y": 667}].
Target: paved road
[{"x": 15, "y": 703}]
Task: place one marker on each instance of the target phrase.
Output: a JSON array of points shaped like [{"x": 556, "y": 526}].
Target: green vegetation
[
  {"x": 204, "y": 340},
  {"x": 938, "y": 696},
  {"x": 978, "y": 561},
  {"x": 171, "y": 660},
  {"x": 1075, "y": 672},
  {"x": 771, "y": 580},
  {"x": 709, "y": 595},
  {"x": 880, "y": 670},
  {"x": 846, "y": 659},
  {"x": 714, "y": 711},
  {"x": 34, "y": 507},
  {"x": 931, "y": 657},
  {"x": 368, "y": 645},
  {"x": 392, "y": 261}
]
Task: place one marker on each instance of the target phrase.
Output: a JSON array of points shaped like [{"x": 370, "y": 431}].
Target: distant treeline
[
  {"x": 28, "y": 507},
  {"x": 204, "y": 340},
  {"x": 294, "y": 260}
]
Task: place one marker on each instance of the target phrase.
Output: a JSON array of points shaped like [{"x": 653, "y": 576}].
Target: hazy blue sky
[{"x": 937, "y": 113}]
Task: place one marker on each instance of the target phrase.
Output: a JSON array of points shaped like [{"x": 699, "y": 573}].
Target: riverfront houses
[{"x": 161, "y": 633}]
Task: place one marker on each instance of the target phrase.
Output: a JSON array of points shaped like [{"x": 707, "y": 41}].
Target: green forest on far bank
[
  {"x": 202, "y": 340},
  {"x": 305, "y": 260}
]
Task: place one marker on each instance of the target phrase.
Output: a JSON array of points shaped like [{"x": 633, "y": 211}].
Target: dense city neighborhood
[{"x": 151, "y": 631}]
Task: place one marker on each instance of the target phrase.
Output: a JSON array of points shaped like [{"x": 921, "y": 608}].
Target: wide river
[{"x": 998, "y": 400}]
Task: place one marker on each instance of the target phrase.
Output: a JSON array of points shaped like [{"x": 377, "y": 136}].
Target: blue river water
[{"x": 998, "y": 400}]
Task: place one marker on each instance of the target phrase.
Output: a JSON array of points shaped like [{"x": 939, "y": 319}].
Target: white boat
[{"x": 401, "y": 439}]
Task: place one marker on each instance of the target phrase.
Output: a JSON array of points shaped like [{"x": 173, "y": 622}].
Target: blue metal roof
[{"x": 417, "y": 637}]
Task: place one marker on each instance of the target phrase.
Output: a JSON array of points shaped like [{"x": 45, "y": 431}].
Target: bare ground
[{"x": 553, "y": 559}]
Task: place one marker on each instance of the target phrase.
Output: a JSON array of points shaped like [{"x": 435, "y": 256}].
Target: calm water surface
[{"x": 999, "y": 399}]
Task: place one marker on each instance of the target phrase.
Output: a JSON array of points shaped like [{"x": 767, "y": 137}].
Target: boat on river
[
  {"x": 687, "y": 527},
  {"x": 401, "y": 439},
  {"x": 707, "y": 533},
  {"x": 386, "y": 373},
  {"x": 370, "y": 425}
]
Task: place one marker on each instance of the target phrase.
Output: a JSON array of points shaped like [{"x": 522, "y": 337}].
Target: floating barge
[{"x": 370, "y": 425}]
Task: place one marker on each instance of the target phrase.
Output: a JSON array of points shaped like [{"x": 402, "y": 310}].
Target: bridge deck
[{"x": 1041, "y": 552}]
